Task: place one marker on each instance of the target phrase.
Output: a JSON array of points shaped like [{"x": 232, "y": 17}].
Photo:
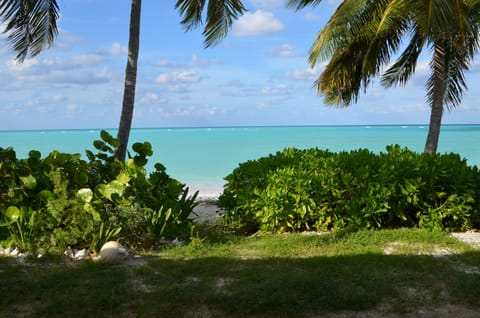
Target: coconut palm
[
  {"x": 362, "y": 36},
  {"x": 30, "y": 25},
  {"x": 219, "y": 19}
]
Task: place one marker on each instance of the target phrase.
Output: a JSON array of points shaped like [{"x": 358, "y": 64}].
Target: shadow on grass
[
  {"x": 289, "y": 287},
  {"x": 229, "y": 287}
]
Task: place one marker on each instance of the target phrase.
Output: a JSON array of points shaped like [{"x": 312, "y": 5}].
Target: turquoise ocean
[{"x": 202, "y": 157}]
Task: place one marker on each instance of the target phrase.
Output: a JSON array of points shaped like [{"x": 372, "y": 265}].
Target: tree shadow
[
  {"x": 291, "y": 287},
  {"x": 242, "y": 287}
]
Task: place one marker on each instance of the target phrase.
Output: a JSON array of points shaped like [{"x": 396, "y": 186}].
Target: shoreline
[
  {"x": 206, "y": 210},
  {"x": 206, "y": 191}
]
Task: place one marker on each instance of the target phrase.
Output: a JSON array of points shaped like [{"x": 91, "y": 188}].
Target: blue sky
[{"x": 259, "y": 75}]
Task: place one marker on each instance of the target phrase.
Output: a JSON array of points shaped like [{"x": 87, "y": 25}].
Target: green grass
[{"x": 296, "y": 275}]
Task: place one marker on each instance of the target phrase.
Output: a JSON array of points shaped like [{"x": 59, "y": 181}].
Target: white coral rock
[{"x": 113, "y": 252}]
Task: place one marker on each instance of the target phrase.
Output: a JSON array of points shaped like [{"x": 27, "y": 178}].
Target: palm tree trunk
[
  {"x": 439, "y": 89},
  {"x": 130, "y": 81}
]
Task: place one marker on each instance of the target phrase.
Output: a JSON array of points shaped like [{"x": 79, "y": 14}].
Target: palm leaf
[
  {"x": 401, "y": 71},
  {"x": 300, "y": 4},
  {"x": 340, "y": 30},
  {"x": 191, "y": 12},
  {"x": 220, "y": 17},
  {"x": 30, "y": 25}
]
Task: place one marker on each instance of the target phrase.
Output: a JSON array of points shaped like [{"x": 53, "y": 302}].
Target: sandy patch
[{"x": 471, "y": 237}]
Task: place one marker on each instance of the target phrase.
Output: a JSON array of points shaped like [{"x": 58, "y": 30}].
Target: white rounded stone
[{"x": 113, "y": 252}]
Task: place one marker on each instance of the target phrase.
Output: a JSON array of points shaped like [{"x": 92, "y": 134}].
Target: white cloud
[
  {"x": 241, "y": 89},
  {"x": 194, "y": 62},
  {"x": 105, "y": 74},
  {"x": 423, "y": 68},
  {"x": 151, "y": 98},
  {"x": 286, "y": 50},
  {"x": 178, "y": 77},
  {"x": 78, "y": 69},
  {"x": 306, "y": 74},
  {"x": 76, "y": 61},
  {"x": 72, "y": 109},
  {"x": 178, "y": 81},
  {"x": 237, "y": 88},
  {"x": 210, "y": 111},
  {"x": 180, "y": 111},
  {"x": 262, "y": 105},
  {"x": 278, "y": 89},
  {"x": 257, "y": 24},
  {"x": 117, "y": 49},
  {"x": 11, "y": 109}
]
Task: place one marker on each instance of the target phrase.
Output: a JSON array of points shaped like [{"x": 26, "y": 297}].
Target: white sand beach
[{"x": 206, "y": 191}]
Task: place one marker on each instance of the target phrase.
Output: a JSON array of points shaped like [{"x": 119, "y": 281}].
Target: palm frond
[
  {"x": 343, "y": 77},
  {"x": 339, "y": 31},
  {"x": 436, "y": 84},
  {"x": 191, "y": 12},
  {"x": 300, "y": 4},
  {"x": 401, "y": 71},
  {"x": 31, "y": 26},
  {"x": 440, "y": 18},
  {"x": 220, "y": 17},
  {"x": 388, "y": 25},
  {"x": 454, "y": 47},
  {"x": 458, "y": 61}
]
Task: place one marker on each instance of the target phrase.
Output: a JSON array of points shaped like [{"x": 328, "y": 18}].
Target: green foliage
[
  {"x": 61, "y": 200},
  {"x": 313, "y": 189}
]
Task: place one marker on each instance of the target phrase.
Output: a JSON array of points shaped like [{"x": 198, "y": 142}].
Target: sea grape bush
[
  {"x": 296, "y": 190},
  {"x": 48, "y": 204}
]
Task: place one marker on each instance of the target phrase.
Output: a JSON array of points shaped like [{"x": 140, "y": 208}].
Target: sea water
[{"x": 202, "y": 157}]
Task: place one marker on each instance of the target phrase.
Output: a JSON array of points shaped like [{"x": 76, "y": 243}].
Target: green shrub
[
  {"x": 298, "y": 190},
  {"x": 61, "y": 200}
]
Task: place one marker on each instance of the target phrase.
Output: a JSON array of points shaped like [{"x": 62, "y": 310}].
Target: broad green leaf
[
  {"x": 160, "y": 167},
  {"x": 123, "y": 177},
  {"x": 140, "y": 161},
  {"x": 112, "y": 233},
  {"x": 29, "y": 182},
  {"x": 105, "y": 136},
  {"x": 130, "y": 164},
  {"x": 45, "y": 195},
  {"x": 137, "y": 147},
  {"x": 89, "y": 209},
  {"x": 109, "y": 139},
  {"x": 13, "y": 213},
  {"x": 102, "y": 146},
  {"x": 110, "y": 188},
  {"x": 85, "y": 194},
  {"x": 90, "y": 155},
  {"x": 35, "y": 154}
]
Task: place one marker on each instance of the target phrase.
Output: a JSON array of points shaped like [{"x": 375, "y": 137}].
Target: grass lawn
[{"x": 389, "y": 273}]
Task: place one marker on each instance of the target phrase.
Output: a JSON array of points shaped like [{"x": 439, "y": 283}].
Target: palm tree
[
  {"x": 220, "y": 16},
  {"x": 361, "y": 37},
  {"x": 31, "y": 27}
]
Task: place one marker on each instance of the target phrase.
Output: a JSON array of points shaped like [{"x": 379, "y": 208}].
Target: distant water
[{"x": 202, "y": 157}]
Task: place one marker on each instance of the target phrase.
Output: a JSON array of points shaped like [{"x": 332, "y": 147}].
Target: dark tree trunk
[
  {"x": 439, "y": 88},
  {"x": 130, "y": 80}
]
